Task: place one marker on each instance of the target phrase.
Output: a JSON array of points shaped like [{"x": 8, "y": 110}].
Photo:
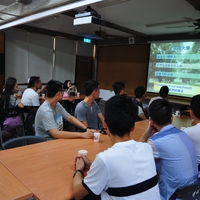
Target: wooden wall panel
[
  {"x": 127, "y": 63},
  {"x": 2, "y": 43}
]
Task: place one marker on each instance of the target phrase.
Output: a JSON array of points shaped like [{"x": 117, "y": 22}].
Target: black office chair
[
  {"x": 98, "y": 100},
  {"x": 74, "y": 104},
  {"x": 190, "y": 192},
  {"x": 7, "y": 113},
  {"x": 22, "y": 141},
  {"x": 67, "y": 105},
  {"x": 29, "y": 124}
]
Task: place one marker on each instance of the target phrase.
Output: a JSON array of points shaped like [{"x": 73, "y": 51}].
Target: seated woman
[
  {"x": 9, "y": 100},
  {"x": 71, "y": 89}
]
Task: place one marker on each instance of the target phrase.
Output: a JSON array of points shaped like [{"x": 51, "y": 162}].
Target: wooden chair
[
  {"x": 22, "y": 141},
  {"x": 190, "y": 192}
]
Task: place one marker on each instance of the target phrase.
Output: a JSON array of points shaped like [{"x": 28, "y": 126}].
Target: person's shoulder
[{"x": 45, "y": 107}]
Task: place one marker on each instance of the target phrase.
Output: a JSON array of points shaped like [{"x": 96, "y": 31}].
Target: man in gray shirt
[
  {"x": 87, "y": 111},
  {"x": 49, "y": 117}
]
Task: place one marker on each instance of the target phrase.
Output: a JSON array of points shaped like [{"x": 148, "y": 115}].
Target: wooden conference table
[{"x": 46, "y": 169}]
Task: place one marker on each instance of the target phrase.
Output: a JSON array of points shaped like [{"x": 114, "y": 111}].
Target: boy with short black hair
[
  {"x": 87, "y": 111},
  {"x": 119, "y": 87},
  {"x": 194, "y": 131},
  {"x": 124, "y": 171},
  {"x": 173, "y": 150},
  {"x": 49, "y": 117},
  {"x": 163, "y": 93}
]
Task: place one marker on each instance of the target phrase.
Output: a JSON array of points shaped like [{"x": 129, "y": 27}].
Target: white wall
[{"x": 30, "y": 54}]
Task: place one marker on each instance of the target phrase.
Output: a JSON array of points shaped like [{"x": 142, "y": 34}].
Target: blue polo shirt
[{"x": 176, "y": 161}]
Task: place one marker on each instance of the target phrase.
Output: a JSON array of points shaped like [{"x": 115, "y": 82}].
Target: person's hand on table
[
  {"x": 87, "y": 135},
  {"x": 91, "y": 130},
  {"x": 79, "y": 164},
  {"x": 87, "y": 162}
]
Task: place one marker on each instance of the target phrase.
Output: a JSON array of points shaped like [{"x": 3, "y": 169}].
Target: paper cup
[
  {"x": 43, "y": 95},
  {"x": 82, "y": 152},
  {"x": 177, "y": 113},
  {"x": 78, "y": 93},
  {"x": 96, "y": 137}
]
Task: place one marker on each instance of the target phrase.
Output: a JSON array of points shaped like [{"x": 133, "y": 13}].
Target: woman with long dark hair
[
  {"x": 9, "y": 100},
  {"x": 71, "y": 89}
]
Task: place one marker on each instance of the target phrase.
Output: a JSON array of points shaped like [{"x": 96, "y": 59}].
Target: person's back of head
[
  {"x": 65, "y": 85},
  {"x": 120, "y": 114},
  {"x": 8, "y": 90},
  {"x": 118, "y": 86},
  {"x": 164, "y": 90},
  {"x": 195, "y": 106},
  {"x": 160, "y": 112},
  {"x": 32, "y": 81},
  {"x": 90, "y": 86},
  {"x": 53, "y": 87},
  {"x": 139, "y": 92}
]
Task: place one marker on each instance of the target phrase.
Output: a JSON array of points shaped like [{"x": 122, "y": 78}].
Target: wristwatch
[
  {"x": 86, "y": 129},
  {"x": 78, "y": 170}
]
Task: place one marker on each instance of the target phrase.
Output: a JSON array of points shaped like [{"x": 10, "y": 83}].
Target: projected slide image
[{"x": 176, "y": 65}]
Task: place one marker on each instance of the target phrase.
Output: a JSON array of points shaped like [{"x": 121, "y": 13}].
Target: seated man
[
  {"x": 174, "y": 153},
  {"x": 194, "y": 131},
  {"x": 140, "y": 92},
  {"x": 49, "y": 117},
  {"x": 124, "y": 171},
  {"x": 87, "y": 111},
  {"x": 119, "y": 87},
  {"x": 30, "y": 96},
  {"x": 163, "y": 93}
]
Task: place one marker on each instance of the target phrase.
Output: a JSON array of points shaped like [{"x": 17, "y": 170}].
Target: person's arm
[
  {"x": 76, "y": 122},
  {"x": 101, "y": 117},
  {"x": 20, "y": 105},
  {"x": 148, "y": 133},
  {"x": 75, "y": 89},
  {"x": 142, "y": 116},
  {"x": 79, "y": 191},
  {"x": 69, "y": 135},
  {"x": 41, "y": 90}
]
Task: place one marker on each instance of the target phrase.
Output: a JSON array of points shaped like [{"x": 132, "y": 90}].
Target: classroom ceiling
[{"x": 127, "y": 18}]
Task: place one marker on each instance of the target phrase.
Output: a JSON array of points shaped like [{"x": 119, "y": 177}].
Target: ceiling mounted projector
[{"x": 89, "y": 16}]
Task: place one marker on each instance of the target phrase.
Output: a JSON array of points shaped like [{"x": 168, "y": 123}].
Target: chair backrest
[
  {"x": 66, "y": 104},
  {"x": 74, "y": 104},
  {"x": 98, "y": 100},
  {"x": 22, "y": 141},
  {"x": 9, "y": 112},
  {"x": 30, "y": 119},
  {"x": 190, "y": 192}
]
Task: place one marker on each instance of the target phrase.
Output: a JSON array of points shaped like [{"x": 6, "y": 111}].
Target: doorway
[{"x": 84, "y": 69}]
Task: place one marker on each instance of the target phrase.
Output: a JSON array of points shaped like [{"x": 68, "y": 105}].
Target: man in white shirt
[
  {"x": 164, "y": 90},
  {"x": 124, "y": 171},
  {"x": 30, "y": 96},
  {"x": 194, "y": 131}
]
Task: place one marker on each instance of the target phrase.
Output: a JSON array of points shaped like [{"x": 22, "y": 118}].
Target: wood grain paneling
[
  {"x": 2, "y": 43},
  {"x": 127, "y": 63}
]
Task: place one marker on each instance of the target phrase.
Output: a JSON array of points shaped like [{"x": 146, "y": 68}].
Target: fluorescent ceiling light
[{"x": 48, "y": 13}]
